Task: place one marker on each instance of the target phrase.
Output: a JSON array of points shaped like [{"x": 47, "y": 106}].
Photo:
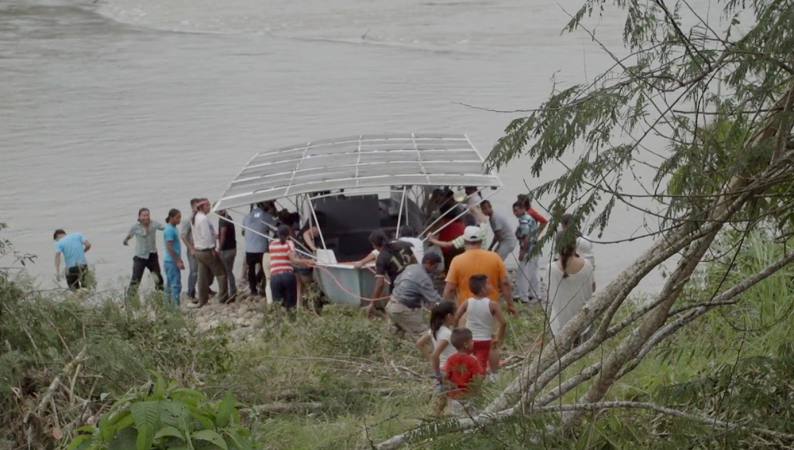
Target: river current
[{"x": 112, "y": 105}]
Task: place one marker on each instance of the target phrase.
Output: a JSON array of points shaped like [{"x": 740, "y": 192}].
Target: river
[{"x": 112, "y": 105}]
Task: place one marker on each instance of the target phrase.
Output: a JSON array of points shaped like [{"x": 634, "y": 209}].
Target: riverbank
[{"x": 337, "y": 380}]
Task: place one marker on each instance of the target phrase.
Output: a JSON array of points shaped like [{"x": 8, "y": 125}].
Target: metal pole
[
  {"x": 400, "y": 215},
  {"x": 314, "y": 214}
]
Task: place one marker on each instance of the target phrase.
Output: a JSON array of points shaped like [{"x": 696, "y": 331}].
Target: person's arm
[
  {"x": 423, "y": 343},
  {"x": 435, "y": 360},
  {"x": 305, "y": 262},
  {"x": 449, "y": 291},
  {"x": 86, "y": 246},
  {"x": 371, "y": 256},
  {"x": 427, "y": 290},
  {"x": 507, "y": 293},
  {"x": 308, "y": 238},
  {"x": 221, "y": 233},
  {"x": 496, "y": 311},
  {"x": 441, "y": 244},
  {"x": 58, "y": 266},
  {"x": 460, "y": 312},
  {"x": 169, "y": 247},
  {"x": 183, "y": 236},
  {"x": 127, "y": 239},
  {"x": 380, "y": 283}
]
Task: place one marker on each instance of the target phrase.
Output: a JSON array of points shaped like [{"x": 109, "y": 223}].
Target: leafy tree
[{"x": 721, "y": 98}]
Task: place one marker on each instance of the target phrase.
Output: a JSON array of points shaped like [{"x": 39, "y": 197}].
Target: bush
[{"x": 164, "y": 416}]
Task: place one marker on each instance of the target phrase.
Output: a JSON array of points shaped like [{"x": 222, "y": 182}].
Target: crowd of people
[
  {"x": 210, "y": 250},
  {"x": 470, "y": 246}
]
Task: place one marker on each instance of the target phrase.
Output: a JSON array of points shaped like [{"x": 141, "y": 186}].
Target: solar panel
[{"x": 366, "y": 161}]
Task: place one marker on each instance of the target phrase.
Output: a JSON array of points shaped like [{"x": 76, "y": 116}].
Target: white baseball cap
[{"x": 472, "y": 234}]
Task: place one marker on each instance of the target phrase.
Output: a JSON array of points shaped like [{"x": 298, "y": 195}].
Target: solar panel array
[{"x": 367, "y": 161}]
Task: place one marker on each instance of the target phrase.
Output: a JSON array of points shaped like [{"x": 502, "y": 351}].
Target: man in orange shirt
[{"x": 475, "y": 261}]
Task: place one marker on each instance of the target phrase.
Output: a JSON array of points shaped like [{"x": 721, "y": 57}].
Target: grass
[{"x": 355, "y": 382}]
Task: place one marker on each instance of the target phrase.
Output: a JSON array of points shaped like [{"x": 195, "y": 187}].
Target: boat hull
[{"x": 345, "y": 285}]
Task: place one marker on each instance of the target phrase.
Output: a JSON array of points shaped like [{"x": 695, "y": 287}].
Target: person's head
[
  {"x": 566, "y": 221},
  {"x": 270, "y": 207},
  {"x": 283, "y": 233},
  {"x": 59, "y": 233},
  {"x": 443, "y": 313},
  {"x": 193, "y": 203},
  {"x": 174, "y": 217},
  {"x": 525, "y": 200},
  {"x": 462, "y": 340},
  {"x": 470, "y": 190},
  {"x": 223, "y": 213},
  {"x": 431, "y": 261},
  {"x": 203, "y": 205},
  {"x": 472, "y": 236},
  {"x": 144, "y": 216},
  {"x": 519, "y": 209},
  {"x": 486, "y": 208},
  {"x": 566, "y": 248},
  {"x": 478, "y": 285},
  {"x": 378, "y": 239}
]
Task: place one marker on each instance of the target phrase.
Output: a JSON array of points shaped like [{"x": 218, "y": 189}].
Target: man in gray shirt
[
  {"x": 410, "y": 290},
  {"x": 504, "y": 240},
  {"x": 145, "y": 256},
  {"x": 257, "y": 228}
]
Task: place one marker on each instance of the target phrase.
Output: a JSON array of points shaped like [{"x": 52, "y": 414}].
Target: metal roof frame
[{"x": 365, "y": 161}]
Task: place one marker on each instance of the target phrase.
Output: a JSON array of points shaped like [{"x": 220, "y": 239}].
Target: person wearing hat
[{"x": 474, "y": 261}]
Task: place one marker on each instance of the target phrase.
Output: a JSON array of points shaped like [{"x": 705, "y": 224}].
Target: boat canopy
[{"x": 366, "y": 161}]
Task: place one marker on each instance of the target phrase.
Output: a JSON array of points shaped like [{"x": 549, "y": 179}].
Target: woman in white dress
[{"x": 570, "y": 282}]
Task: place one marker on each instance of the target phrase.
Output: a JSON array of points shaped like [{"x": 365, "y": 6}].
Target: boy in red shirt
[{"x": 462, "y": 368}]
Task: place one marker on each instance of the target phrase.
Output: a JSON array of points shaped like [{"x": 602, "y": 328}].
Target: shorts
[{"x": 482, "y": 351}]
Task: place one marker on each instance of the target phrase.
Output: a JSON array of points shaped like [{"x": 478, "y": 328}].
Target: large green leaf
[
  {"x": 80, "y": 442},
  {"x": 211, "y": 437},
  {"x": 174, "y": 413},
  {"x": 225, "y": 410},
  {"x": 188, "y": 396},
  {"x": 147, "y": 420},
  {"x": 109, "y": 429},
  {"x": 124, "y": 440},
  {"x": 239, "y": 440},
  {"x": 169, "y": 431}
]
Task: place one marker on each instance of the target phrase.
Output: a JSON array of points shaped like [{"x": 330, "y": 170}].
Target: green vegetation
[{"x": 340, "y": 381}]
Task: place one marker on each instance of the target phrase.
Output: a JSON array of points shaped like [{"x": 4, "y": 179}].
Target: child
[
  {"x": 462, "y": 368},
  {"x": 442, "y": 320},
  {"x": 482, "y": 313}
]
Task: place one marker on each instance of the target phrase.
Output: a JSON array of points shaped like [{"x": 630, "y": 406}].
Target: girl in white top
[
  {"x": 442, "y": 321},
  {"x": 570, "y": 282},
  {"x": 481, "y": 315}
]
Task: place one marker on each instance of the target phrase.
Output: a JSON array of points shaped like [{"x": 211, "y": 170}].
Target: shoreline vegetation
[{"x": 337, "y": 380}]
